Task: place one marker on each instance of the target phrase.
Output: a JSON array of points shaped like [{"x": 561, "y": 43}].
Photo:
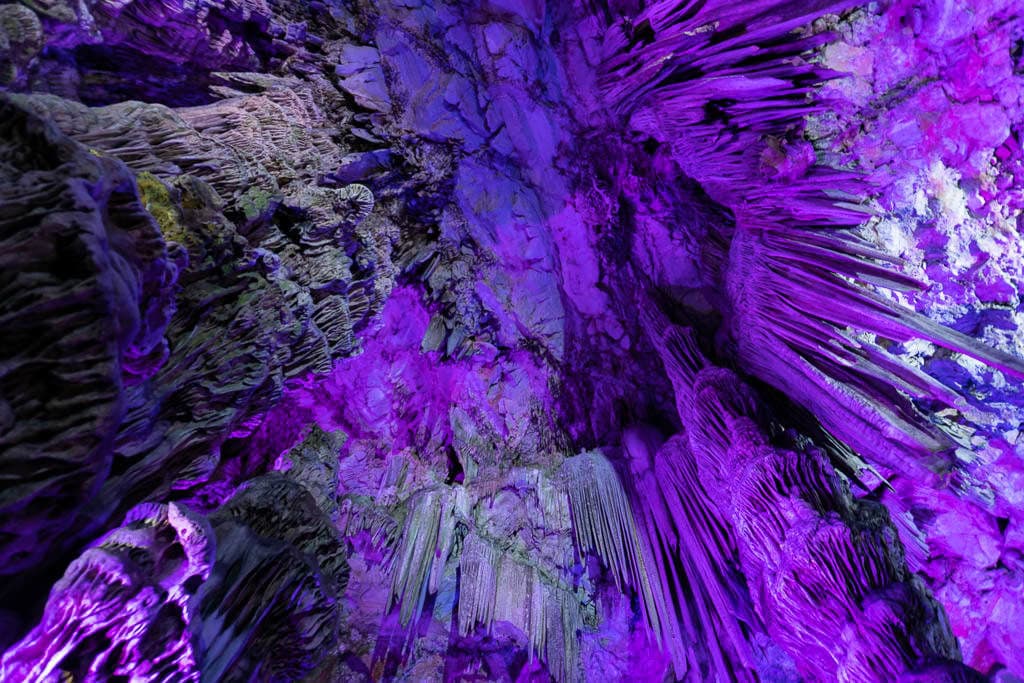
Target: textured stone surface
[
  {"x": 575, "y": 341},
  {"x": 88, "y": 288}
]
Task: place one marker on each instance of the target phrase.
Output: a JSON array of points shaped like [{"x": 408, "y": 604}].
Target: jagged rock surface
[{"x": 344, "y": 340}]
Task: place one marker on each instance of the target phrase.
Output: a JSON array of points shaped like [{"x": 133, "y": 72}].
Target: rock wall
[{"x": 585, "y": 341}]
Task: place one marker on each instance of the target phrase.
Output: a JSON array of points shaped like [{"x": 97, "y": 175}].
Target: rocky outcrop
[
  {"x": 290, "y": 278},
  {"x": 251, "y": 590},
  {"x": 88, "y": 294},
  {"x": 124, "y": 607}
]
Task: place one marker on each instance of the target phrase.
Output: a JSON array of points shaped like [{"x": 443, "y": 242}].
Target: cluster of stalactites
[
  {"x": 498, "y": 586},
  {"x": 425, "y": 548},
  {"x": 357, "y": 516},
  {"x": 692, "y": 549},
  {"x": 603, "y": 523},
  {"x": 502, "y": 582},
  {"x": 831, "y": 588},
  {"x": 780, "y": 567},
  {"x": 800, "y": 289}
]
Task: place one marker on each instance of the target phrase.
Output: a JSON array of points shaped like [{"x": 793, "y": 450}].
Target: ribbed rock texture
[{"x": 425, "y": 340}]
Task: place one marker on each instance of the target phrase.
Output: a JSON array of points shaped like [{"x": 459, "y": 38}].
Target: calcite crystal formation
[{"x": 511, "y": 340}]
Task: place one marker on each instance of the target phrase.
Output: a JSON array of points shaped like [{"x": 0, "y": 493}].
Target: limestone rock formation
[{"x": 424, "y": 340}]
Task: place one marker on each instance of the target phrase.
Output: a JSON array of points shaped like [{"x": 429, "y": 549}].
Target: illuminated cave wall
[{"x": 595, "y": 340}]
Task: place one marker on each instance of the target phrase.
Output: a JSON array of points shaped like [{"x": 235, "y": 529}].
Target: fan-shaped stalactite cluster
[{"x": 800, "y": 283}]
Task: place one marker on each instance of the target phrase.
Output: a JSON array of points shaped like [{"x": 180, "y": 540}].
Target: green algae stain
[{"x": 156, "y": 198}]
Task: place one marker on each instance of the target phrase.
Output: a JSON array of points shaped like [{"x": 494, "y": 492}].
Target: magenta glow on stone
[{"x": 600, "y": 340}]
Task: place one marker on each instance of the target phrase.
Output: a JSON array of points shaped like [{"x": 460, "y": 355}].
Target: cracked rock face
[{"x": 424, "y": 340}]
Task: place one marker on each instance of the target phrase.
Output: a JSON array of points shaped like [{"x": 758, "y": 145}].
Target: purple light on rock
[{"x": 584, "y": 341}]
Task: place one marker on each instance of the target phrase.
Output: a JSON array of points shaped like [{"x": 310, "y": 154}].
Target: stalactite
[
  {"x": 603, "y": 522},
  {"x": 799, "y": 542},
  {"x": 499, "y": 580},
  {"x": 706, "y": 613},
  {"x": 363, "y": 515},
  {"x": 799, "y": 281},
  {"x": 425, "y": 546},
  {"x": 464, "y": 234},
  {"x": 669, "y": 544},
  {"x": 499, "y": 585}
]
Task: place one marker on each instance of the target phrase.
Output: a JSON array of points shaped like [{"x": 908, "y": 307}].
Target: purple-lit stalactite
[
  {"x": 691, "y": 550},
  {"x": 804, "y": 546},
  {"x": 789, "y": 274}
]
